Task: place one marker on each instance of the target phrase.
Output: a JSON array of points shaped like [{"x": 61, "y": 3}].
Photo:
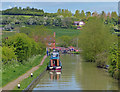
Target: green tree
[
  {"x": 77, "y": 14},
  {"x": 66, "y": 22},
  {"x": 88, "y": 14},
  {"x": 64, "y": 41},
  {"x": 22, "y": 45},
  {"x": 63, "y": 12},
  {"x": 82, "y": 15},
  {"x": 103, "y": 15},
  {"x": 114, "y": 15},
  {"x": 95, "y": 39},
  {"x": 59, "y": 12},
  {"x": 8, "y": 55}
]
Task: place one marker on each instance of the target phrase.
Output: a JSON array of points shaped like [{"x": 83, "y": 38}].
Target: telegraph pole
[{"x": 77, "y": 42}]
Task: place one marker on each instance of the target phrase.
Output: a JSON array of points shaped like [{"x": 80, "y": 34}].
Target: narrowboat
[{"x": 54, "y": 63}]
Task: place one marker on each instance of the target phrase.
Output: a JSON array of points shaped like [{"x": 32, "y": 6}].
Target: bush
[
  {"x": 113, "y": 61},
  {"x": 102, "y": 59},
  {"x": 22, "y": 45},
  {"x": 8, "y": 55}
]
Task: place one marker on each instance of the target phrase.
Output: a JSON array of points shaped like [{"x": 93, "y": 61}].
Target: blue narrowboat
[{"x": 55, "y": 63}]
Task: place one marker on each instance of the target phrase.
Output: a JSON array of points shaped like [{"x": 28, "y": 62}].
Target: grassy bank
[
  {"x": 28, "y": 80},
  {"x": 17, "y": 69},
  {"x": 74, "y": 52},
  {"x": 59, "y": 31}
]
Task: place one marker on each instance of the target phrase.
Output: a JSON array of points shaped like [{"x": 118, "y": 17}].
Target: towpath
[{"x": 11, "y": 85}]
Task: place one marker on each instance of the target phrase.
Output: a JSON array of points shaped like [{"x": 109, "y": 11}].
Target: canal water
[{"x": 76, "y": 74}]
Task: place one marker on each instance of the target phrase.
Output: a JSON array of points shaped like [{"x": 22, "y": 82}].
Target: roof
[{"x": 55, "y": 55}]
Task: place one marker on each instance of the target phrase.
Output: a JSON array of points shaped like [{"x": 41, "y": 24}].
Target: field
[
  {"x": 68, "y": 32},
  {"x": 17, "y": 16},
  {"x": 8, "y": 33}
]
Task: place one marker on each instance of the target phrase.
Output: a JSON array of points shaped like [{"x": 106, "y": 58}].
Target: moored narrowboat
[{"x": 54, "y": 63}]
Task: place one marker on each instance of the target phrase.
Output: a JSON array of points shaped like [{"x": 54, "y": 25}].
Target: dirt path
[{"x": 12, "y": 84}]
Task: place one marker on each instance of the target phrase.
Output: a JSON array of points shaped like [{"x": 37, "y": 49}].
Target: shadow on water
[{"x": 76, "y": 74}]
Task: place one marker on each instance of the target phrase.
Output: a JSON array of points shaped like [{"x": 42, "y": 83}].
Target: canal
[{"x": 76, "y": 74}]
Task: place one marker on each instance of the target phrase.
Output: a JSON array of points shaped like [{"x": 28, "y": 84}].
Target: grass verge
[
  {"x": 28, "y": 80},
  {"x": 17, "y": 69}
]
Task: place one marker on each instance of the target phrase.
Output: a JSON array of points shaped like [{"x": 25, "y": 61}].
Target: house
[{"x": 79, "y": 24}]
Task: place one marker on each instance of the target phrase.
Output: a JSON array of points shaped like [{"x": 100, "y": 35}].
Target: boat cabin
[
  {"x": 54, "y": 62},
  {"x": 55, "y": 55}
]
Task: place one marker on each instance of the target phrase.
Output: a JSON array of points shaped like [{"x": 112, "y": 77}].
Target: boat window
[
  {"x": 55, "y": 55},
  {"x": 55, "y": 62}
]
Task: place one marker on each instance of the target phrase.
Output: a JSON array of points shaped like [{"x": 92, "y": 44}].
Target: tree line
[
  {"x": 62, "y": 18},
  {"x": 99, "y": 45}
]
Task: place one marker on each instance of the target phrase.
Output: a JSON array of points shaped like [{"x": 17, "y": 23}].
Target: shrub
[
  {"x": 22, "y": 45},
  {"x": 102, "y": 59},
  {"x": 8, "y": 55}
]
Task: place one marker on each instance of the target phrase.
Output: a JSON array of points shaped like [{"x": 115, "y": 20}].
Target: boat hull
[{"x": 55, "y": 68}]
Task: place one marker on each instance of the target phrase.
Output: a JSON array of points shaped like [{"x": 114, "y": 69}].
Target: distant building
[{"x": 79, "y": 24}]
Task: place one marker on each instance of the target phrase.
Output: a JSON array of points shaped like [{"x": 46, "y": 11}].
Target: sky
[
  {"x": 52, "y": 7},
  {"x": 60, "y": 0}
]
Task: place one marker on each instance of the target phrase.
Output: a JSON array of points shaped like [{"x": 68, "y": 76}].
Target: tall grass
[
  {"x": 13, "y": 71},
  {"x": 28, "y": 80}
]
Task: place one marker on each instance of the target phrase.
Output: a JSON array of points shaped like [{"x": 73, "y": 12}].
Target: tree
[
  {"x": 95, "y": 14},
  {"x": 95, "y": 39},
  {"x": 114, "y": 15},
  {"x": 88, "y": 14},
  {"x": 63, "y": 12},
  {"x": 22, "y": 46},
  {"x": 77, "y": 14},
  {"x": 82, "y": 15},
  {"x": 103, "y": 15},
  {"x": 64, "y": 41},
  {"x": 8, "y": 55},
  {"x": 40, "y": 34},
  {"x": 108, "y": 15},
  {"x": 59, "y": 12},
  {"x": 66, "y": 22}
]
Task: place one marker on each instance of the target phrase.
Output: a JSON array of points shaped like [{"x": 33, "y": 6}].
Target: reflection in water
[
  {"x": 76, "y": 75},
  {"x": 54, "y": 75}
]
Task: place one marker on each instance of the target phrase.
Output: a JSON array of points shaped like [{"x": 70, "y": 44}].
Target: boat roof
[{"x": 55, "y": 55}]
